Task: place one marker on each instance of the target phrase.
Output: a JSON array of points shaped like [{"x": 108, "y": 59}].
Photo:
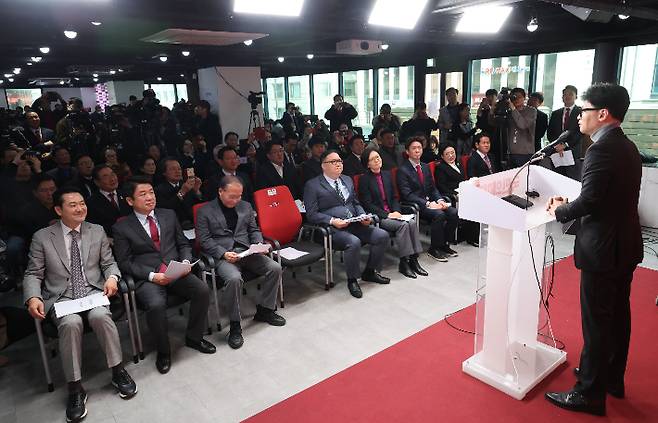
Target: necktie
[
  {"x": 488, "y": 162},
  {"x": 565, "y": 119},
  {"x": 342, "y": 198},
  {"x": 380, "y": 183},
  {"x": 421, "y": 178},
  {"x": 153, "y": 228},
  {"x": 38, "y": 134},
  {"x": 78, "y": 284},
  {"x": 113, "y": 200}
]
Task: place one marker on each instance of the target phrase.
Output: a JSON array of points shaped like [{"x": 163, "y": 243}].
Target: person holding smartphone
[{"x": 340, "y": 112}]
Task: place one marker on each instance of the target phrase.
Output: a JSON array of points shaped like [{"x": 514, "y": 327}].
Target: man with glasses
[
  {"x": 330, "y": 199},
  {"x": 566, "y": 119},
  {"x": 607, "y": 250},
  {"x": 277, "y": 172}
]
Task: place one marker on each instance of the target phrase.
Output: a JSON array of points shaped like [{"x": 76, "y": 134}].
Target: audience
[
  {"x": 386, "y": 119},
  {"x": 229, "y": 165},
  {"x": 106, "y": 205},
  {"x": 276, "y": 172},
  {"x": 390, "y": 154},
  {"x": 313, "y": 166},
  {"x": 420, "y": 123}
]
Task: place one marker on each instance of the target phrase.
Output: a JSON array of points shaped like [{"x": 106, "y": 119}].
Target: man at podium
[{"x": 608, "y": 248}]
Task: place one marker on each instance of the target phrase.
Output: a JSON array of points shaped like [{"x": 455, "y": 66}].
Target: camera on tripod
[
  {"x": 255, "y": 99},
  {"x": 502, "y": 109}
]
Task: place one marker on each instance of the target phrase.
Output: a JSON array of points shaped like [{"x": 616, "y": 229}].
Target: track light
[
  {"x": 8, "y": 75},
  {"x": 95, "y": 79},
  {"x": 112, "y": 72},
  {"x": 70, "y": 34},
  {"x": 623, "y": 17},
  {"x": 185, "y": 53},
  {"x": 35, "y": 59},
  {"x": 281, "y": 59},
  {"x": 10, "y": 79},
  {"x": 248, "y": 42},
  {"x": 309, "y": 56},
  {"x": 120, "y": 70},
  {"x": 96, "y": 23},
  {"x": 384, "y": 46},
  {"x": 17, "y": 70},
  {"x": 532, "y": 25},
  {"x": 30, "y": 63},
  {"x": 182, "y": 75},
  {"x": 44, "y": 50},
  {"x": 61, "y": 82},
  {"x": 159, "y": 78},
  {"x": 163, "y": 58},
  {"x": 95, "y": 75}
]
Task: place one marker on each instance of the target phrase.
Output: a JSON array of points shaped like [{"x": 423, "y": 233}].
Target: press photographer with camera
[
  {"x": 520, "y": 128},
  {"x": 340, "y": 112},
  {"x": 76, "y": 130}
]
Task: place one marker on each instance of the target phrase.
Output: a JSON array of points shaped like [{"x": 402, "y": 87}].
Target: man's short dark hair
[
  {"x": 490, "y": 91},
  {"x": 315, "y": 141},
  {"x": 228, "y": 134},
  {"x": 291, "y": 136},
  {"x": 354, "y": 138},
  {"x": 131, "y": 184},
  {"x": 477, "y": 138},
  {"x": 608, "y": 96},
  {"x": 132, "y": 97},
  {"x": 222, "y": 151},
  {"x": 338, "y": 96},
  {"x": 452, "y": 89},
  {"x": 539, "y": 96},
  {"x": 385, "y": 131},
  {"x": 228, "y": 180},
  {"x": 41, "y": 178},
  {"x": 570, "y": 88},
  {"x": 421, "y": 105},
  {"x": 413, "y": 139},
  {"x": 290, "y": 104},
  {"x": 58, "y": 196},
  {"x": 56, "y": 148},
  {"x": 167, "y": 160},
  {"x": 204, "y": 104},
  {"x": 270, "y": 145},
  {"x": 77, "y": 102},
  {"x": 97, "y": 169},
  {"x": 517, "y": 90},
  {"x": 77, "y": 159},
  {"x": 326, "y": 153}
]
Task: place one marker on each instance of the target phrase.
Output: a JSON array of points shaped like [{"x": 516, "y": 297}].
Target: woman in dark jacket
[
  {"x": 448, "y": 173},
  {"x": 377, "y": 197}
]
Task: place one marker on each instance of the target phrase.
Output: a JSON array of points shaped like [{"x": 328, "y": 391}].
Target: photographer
[
  {"x": 420, "y": 123},
  {"x": 386, "y": 119},
  {"x": 340, "y": 112},
  {"x": 75, "y": 130},
  {"x": 520, "y": 128}
]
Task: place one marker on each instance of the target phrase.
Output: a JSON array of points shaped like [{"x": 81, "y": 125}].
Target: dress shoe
[
  {"x": 76, "y": 408},
  {"x": 437, "y": 255},
  {"x": 235, "y": 339},
  {"x": 405, "y": 268},
  {"x": 371, "y": 275},
  {"x": 202, "y": 346},
  {"x": 126, "y": 386},
  {"x": 449, "y": 251},
  {"x": 576, "y": 401},
  {"x": 163, "y": 363},
  {"x": 354, "y": 288},
  {"x": 415, "y": 266},
  {"x": 264, "y": 314}
]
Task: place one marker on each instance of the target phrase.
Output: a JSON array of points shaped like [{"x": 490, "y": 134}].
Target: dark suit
[
  {"x": 443, "y": 222},
  {"x": 30, "y": 140},
  {"x": 310, "y": 169},
  {"x": 86, "y": 186},
  {"x": 540, "y": 128},
  {"x": 352, "y": 165},
  {"x": 138, "y": 256},
  {"x": 336, "y": 117},
  {"x": 574, "y": 140},
  {"x": 267, "y": 176},
  {"x": 448, "y": 179},
  {"x": 323, "y": 203},
  {"x": 608, "y": 248},
  {"x": 212, "y": 185},
  {"x": 292, "y": 124},
  {"x": 102, "y": 212},
  {"x": 477, "y": 166},
  {"x": 167, "y": 198}
]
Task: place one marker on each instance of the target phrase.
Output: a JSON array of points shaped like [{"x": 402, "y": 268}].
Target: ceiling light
[
  {"x": 158, "y": 78},
  {"x": 17, "y": 70},
  {"x": 44, "y": 50},
  {"x": 77, "y": 79},
  {"x": 182, "y": 75},
  {"x": 96, "y": 23},
  {"x": 269, "y": 7},
  {"x": 623, "y": 17},
  {"x": 95, "y": 75},
  {"x": 35, "y": 59},
  {"x": 1, "y": 81},
  {"x": 95, "y": 79},
  {"x": 483, "y": 19},
  {"x": 248, "y": 42},
  {"x": 30, "y": 63},
  {"x": 185, "y": 53},
  {"x": 384, "y": 46},
  {"x": 120, "y": 70},
  {"x": 394, "y": 14},
  {"x": 112, "y": 72},
  {"x": 70, "y": 34},
  {"x": 309, "y": 56},
  {"x": 281, "y": 59},
  {"x": 8, "y": 75},
  {"x": 163, "y": 58},
  {"x": 10, "y": 79},
  {"x": 61, "y": 82},
  {"x": 532, "y": 25}
]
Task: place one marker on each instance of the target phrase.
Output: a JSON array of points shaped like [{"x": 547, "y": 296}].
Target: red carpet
[{"x": 420, "y": 378}]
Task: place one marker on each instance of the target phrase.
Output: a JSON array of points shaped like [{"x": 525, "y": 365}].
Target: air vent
[{"x": 200, "y": 37}]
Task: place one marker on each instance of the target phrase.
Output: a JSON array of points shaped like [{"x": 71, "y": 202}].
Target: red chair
[
  {"x": 432, "y": 166},
  {"x": 281, "y": 225},
  {"x": 355, "y": 179},
  {"x": 464, "y": 161}
]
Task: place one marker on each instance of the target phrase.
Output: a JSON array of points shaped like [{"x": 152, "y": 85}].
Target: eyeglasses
[
  {"x": 587, "y": 109},
  {"x": 334, "y": 162}
]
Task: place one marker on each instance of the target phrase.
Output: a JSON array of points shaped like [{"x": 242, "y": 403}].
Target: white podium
[{"x": 509, "y": 354}]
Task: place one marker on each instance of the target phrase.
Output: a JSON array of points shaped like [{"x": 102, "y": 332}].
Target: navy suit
[
  {"x": 323, "y": 203},
  {"x": 477, "y": 166},
  {"x": 444, "y": 222}
]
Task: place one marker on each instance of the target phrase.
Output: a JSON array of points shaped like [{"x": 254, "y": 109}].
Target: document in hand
[
  {"x": 359, "y": 218},
  {"x": 176, "y": 269},
  {"x": 404, "y": 217},
  {"x": 565, "y": 160},
  {"x": 255, "y": 249},
  {"x": 64, "y": 308},
  {"x": 290, "y": 253}
]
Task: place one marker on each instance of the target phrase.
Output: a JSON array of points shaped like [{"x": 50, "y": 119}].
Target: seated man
[
  {"x": 481, "y": 163},
  {"x": 34, "y": 134},
  {"x": 329, "y": 200},
  {"x": 352, "y": 161},
  {"x": 68, "y": 260},
  {"x": 106, "y": 205},
  {"x": 313, "y": 166},
  {"x": 416, "y": 186},
  {"x": 176, "y": 195},
  {"x": 226, "y": 227},
  {"x": 85, "y": 180},
  {"x": 144, "y": 243},
  {"x": 228, "y": 160},
  {"x": 277, "y": 172},
  {"x": 63, "y": 172}
]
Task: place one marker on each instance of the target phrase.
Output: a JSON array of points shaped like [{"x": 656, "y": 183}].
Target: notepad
[{"x": 64, "y": 308}]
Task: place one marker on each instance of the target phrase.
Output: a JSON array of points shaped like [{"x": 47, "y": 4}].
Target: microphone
[{"x": 550, "y": 148}]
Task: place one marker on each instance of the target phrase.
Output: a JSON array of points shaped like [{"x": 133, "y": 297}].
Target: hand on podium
[{"x": 554, "y": 203}]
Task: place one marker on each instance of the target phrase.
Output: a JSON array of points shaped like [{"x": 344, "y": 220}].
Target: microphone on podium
[{"x": 550, "y": 148}]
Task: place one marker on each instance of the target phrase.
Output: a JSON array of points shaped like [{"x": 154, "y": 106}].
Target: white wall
[
  {"x": 120, "y": 91},
  {"x": 232, "y": 108}
]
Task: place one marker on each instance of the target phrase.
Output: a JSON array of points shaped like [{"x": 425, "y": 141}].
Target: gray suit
[
  {"x": 216, "y": 239},
  {"x": 47, "y": 278}
]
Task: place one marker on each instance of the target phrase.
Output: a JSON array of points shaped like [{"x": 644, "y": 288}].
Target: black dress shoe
[
  {"x": 235, "y": 339},
  {"x": 264, "y": 314},
  {"x": 405, "y": 268},
  {"x": 371, "y": 275},
  {"x": 437, "y": 255},
  {"x": 576, "y": 401},
  {"x": 163, "y": 363},
  {"x": 201, "y": 346},
  {"x": 354, "y": 288},
  {"x": 616, "y": 390},
  {"x": 76, "y": 408},
  {"x": 124, "y": 384},
  {"x": 449, "y": 251},
  {"x": 415, "y": 266}
]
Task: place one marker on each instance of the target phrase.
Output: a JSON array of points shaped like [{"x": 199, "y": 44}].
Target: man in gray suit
[
  {"x": 226, "y": 227},
  {"x": 330, "y": 199},
  {"x": 68, "y": 260}
]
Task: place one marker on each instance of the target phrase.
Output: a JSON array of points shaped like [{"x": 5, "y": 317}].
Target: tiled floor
[{"x": 327, "y": 331}]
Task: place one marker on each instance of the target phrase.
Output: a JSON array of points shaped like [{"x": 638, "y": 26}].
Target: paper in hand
[
  {"x": 176, "y": 269},
  {"x": 255, "y": 249}
]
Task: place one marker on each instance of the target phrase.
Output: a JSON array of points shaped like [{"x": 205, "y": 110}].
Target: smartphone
[{"x": 190, "y": 172}]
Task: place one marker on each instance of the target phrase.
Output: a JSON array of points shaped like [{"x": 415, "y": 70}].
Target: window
[
  {"x": 276, "y": 101},
  {"x": 325, "y": 87},
  {"x": 557, "y": 70},
  {"x": 496, "y": 73},
  {"x": 638, "y": 75},
  {"x": 396, "y": 87},
  {"x": 299, "y": 92},
  {"x": 21, "y": 97},
  {"x": 181, "y": 92},
  {"x": 433, "y": 93},
  {"x": 357, "y": 90}
]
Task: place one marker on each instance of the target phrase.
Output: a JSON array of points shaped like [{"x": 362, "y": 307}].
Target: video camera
[
  {"x": 502, "y": 109},
  {"x": 255, "y": 99}
]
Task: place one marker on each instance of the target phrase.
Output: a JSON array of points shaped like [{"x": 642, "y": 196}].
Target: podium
[{"x": 510, "y": 355}]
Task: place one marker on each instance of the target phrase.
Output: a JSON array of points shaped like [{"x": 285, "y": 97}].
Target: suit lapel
[
  {"x": 139, "y": 229},
  {"x": 85, "y": 236},
  {"x": 57, "y": 238},
  {"x": 325, "y": 184}
]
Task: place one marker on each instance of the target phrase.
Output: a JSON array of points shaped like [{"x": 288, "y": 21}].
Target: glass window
[
  {"x": 496, "y": 73},
  {"x": 181, "y": 92},
  {"x": 165, "y": 93},
  {"x": 638, "y": 76},
  {"x": 276, "y": 98},
  {"x": 557, "y": 70},
  {"x": 396, "y": 87},
  {"x": 358, "y": 90},
  {"x": 456, "y": 80},
  {"x": 21, "y": 97},
  {"x": 325, "y": 87},
  {"x": 433, "y": 93},
  {"x": 299, "y": 93}
]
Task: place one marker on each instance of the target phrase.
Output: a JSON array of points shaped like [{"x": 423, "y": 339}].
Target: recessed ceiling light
[
  {"x": 185, "y": 53},
  {"x": 95, "y": 79},
  {"x": 30, "y": 63},
  {"x": 44, "y": 50},
  {"x": 8, "y": 75},
  {"x": 61, "y": 82},
  {"x": 281, "y": 59},
  {"x": 95, "y": 75},
  {"x": 159, "y": 78},
  {"x": 1, "y": 81},
  {"x": 35, "y": 59},
  {"x": 309, "y": 56},
  {"x": 532, "y": 25},
  {"x": 163, "y": 58},
  {"x": 70, "y": 34},
  {"x": 17, "y": 70},
  {"x": 269, "y": 7},
  {"x": 397, "y": 14},
  {"x": 10, "y": 79},
  {"x": 96, "y": 23},
  {"x": 77, "y": 79},
  {"x": 120, "y": 70},
  {"x": 248, "y": 42},
  {"x": 384, "y": 46},
  {"x": 623, "y": 17},
  {"x": 182, "y": 75},
  {"x": 483, "y": 19},
  {"x": 112, "y": 72}
]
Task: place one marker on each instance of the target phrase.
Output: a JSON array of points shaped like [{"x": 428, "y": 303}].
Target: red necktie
[
  {"x": 488, "y": 163},
  {"x": 153, "y": 228},
  {"x": 113, "y": 200},
  {"x": 421, "y": 178},
  {"x": 565, "y": 119}
]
